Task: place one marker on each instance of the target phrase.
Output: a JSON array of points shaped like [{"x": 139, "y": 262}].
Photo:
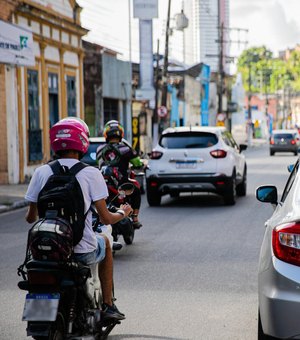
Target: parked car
[
  {"x": 196, "y": 159},
  {"x": 284, "y": 141},
  {"x": 279, "y": 262},
  {"x": 91, "y": 159}
]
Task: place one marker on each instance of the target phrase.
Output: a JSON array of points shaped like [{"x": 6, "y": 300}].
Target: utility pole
[
  {"x": 165, "y": 69},
  {"x": 155, "y": 115},
  {"x": 250, "y": 132},
  {"x": 221, "y": 69},
  {"x": 223, "y": 57}
]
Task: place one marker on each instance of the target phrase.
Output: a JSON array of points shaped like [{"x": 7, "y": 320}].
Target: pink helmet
[{"x": 70, "y": 133}]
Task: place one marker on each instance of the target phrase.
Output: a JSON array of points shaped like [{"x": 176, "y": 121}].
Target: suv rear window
[{"x": 190, "y": 140}]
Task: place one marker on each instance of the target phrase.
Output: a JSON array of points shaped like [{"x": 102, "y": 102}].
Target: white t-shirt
[{"x": 93, "y": 188}]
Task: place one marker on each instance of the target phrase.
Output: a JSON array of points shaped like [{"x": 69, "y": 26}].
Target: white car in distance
[{"x": 196, "y": 159}]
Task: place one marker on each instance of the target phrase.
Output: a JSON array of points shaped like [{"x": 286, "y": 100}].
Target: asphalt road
[{"x": 191, "y": 272}]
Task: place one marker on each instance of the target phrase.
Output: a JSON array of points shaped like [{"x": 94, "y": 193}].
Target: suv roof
[{"x": 213, "y": 129}]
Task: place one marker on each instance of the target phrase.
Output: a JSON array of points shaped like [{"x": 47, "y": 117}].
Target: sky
[{"x": 274, "y": 23}]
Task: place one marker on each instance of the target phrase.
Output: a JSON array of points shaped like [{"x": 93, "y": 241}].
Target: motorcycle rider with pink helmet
[{"x": 69, "y": 139}]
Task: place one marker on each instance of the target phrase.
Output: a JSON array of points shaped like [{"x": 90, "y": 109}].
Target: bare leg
[
  {"x": 135, "y": 215},
  {"x": 106, "y": 274}
]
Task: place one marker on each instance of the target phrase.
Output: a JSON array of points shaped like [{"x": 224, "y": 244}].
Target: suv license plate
[
  {"x": 186, "y": 165},
  {"x": 41, "y": 307}
]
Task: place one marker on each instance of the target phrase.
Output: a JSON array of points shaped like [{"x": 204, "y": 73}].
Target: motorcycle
[
  {"x": 124, "y": 227},
  {"x": 64, "y": 298}
]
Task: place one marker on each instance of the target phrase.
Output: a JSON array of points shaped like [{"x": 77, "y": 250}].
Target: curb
[{"x": 14, "y": 206}]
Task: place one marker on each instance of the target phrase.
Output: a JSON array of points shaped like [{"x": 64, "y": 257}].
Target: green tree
[
  {"x": 255, "y": 61},
  {"x": 268, "y": 74}
]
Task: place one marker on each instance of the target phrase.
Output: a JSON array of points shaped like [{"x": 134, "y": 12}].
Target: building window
[
  {"x": 71, "y": 96},
  {"x": 110, "y": 109},
  {"x": 34, "y": 131},
  {"x": 53, "y": 98}
]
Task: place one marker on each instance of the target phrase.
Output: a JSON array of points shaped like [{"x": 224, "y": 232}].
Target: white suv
[{"x": 196, "y": 159}]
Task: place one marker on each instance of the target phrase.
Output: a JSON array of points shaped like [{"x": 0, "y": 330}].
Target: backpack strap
[
  {"x": 56, "y": 167},
  {"x": 77, "y": 167}
]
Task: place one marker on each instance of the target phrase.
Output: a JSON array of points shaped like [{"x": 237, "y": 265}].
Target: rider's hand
[{"x": 126, "y": 208}]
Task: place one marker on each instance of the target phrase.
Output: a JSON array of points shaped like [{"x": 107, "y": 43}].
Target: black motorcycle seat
[{"x": 64, "y": 269}]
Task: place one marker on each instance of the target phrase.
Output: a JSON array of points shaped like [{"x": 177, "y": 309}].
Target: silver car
[{"x": 279, "y": 262}]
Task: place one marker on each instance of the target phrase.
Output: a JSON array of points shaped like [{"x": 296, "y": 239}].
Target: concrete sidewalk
[{"x": 12, "y": 195}]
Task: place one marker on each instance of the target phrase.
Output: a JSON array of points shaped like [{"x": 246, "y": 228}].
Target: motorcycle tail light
[
  {"x": 218, "y": 153},
  {"x": 155, "y": 155},
  {"x": 41, "y": 278},
  {"x": 286, "y": 243}
]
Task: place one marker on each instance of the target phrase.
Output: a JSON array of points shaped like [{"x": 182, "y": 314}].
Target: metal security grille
[{"x": 34, "y": 131}]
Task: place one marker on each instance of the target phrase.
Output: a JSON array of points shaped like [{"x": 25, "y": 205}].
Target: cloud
[
  {"x": 270, "y": 22},
  {"x": 284, "y": 32}
]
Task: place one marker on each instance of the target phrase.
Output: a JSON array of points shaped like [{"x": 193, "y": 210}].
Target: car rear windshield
[
  {"x": 90, "y": 156},
  {"x": 190, "y": 140},
  {"x": 284, "y": 136}
]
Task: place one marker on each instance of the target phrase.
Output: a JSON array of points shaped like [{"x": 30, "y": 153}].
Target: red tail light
[
  {"x": 218, "y": 153},
  {"x": 272, "y": 141},
  {"x": 293, "y": 142},
  {"x": 286, "y": 243},
  {"x": 41, "y": 278},
  {"x": 156, "y": 155}
]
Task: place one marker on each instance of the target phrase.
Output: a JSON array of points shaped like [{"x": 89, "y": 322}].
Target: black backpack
[{"x": 61, "y": 197}]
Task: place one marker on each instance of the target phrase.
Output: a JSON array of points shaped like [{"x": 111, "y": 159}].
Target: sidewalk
[{"x": 12, "y": 195}]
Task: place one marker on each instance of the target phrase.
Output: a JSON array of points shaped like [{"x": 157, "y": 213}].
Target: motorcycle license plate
[{"x": 41, "y": 307}]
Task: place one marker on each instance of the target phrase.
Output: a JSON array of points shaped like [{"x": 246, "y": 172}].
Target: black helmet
[{"x": 113, "y": 129}]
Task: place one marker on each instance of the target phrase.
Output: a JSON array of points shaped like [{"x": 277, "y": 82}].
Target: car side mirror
[
  {"x": 243, "y": 147},
  {"x": 267, "y": 194}
]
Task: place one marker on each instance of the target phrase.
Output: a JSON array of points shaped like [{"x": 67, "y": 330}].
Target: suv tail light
[
  {"x": 218, "y": 153},
  {"x": 272, "y": 141},
  {"x": 293, "y": 142},
  {"x": 286, "y": 243},
  {"x": 155, "y": 155}
]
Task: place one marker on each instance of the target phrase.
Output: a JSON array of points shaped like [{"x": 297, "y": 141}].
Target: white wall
[{"x": 61, "y": 6}]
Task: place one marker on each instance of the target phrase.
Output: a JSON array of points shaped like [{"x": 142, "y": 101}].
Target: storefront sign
[
  {"x": 136, "y": 133},
  {"x": 145, "y": 9},
  {"x": 16, "y": 45}
]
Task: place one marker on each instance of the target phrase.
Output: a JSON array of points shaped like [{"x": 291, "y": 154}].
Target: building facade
[
  {"x": 33, "y": 98},
  {"x": 202, "y": 36},
  {"x": 107, "y": 89}
]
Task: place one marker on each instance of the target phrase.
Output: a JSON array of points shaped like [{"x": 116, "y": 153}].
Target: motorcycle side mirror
[{"x": 126, "y": 189}]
